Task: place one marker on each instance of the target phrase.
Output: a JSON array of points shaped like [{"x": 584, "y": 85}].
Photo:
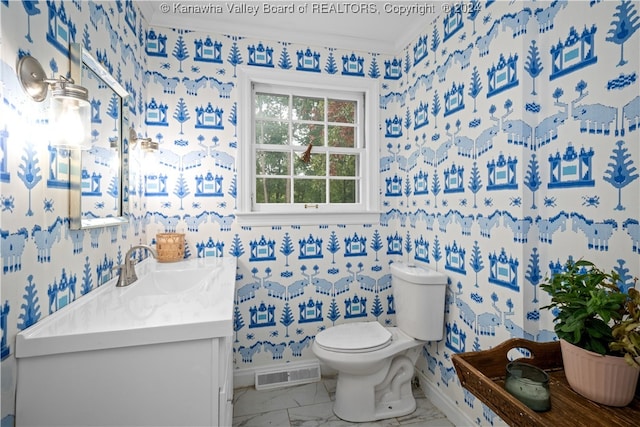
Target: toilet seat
[{"x": 356, "y": 337}]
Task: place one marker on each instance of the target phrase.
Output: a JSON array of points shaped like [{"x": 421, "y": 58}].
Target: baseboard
[
  {"x": 443, "y": 402},
  {"x": 244, "y": 377}
]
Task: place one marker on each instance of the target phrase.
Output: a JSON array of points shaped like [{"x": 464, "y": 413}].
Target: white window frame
[{"x": 368, "y": 210}]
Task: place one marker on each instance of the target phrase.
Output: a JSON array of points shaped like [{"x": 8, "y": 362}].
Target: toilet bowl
[{"x": 375, "y": 364}]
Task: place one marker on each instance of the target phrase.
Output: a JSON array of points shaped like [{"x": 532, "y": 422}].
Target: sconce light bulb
[{"x": 70, "y": 120}]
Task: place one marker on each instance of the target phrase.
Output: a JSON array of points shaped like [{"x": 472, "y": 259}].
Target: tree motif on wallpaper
[
  {"x": 533, "y": 65},
  {"x": 233, "y": 118},
  {"x": 625, "y": 24},
  {"x": 475, "y": 183},
  {"x": 287, "y": 248},
  {"x": 435, "y": 187},
  {"x": 621, "y": 171},
  {"x": 237, "y": 251},
  {"x": 333, "y": 246},
  {"x": 29, "y": 171},
  {"x": 376, "y": 308},
  {"x": 182, "y": 189},
  {"x": 627, "y": 280},
  {"x": 233, "y": 189},
  {"x": 408, "y": 247},
  {"x": 332, "y": 66},
  {"x": 113, "y": 110},
  {"x": 407, "y": 64},
  {"x": 407, "y": 121},
  {"x": 180, "y": 51},
  {"x": 87, "y": 279},
  {"x": 475, "y": 87},
  {"x": 287, "y": 318},
  {"x": 534, "y": 273},
  {"x": 235, "y": 57},
  {"x": 374, "y": 68},
  {"x": 285, "y": 59},
  {"x": 376, "y": 243},
  {"x": 436, "y": 251},
  {"x": 475, "y": 261},
  {"x": 435, "y": 41},
  {"x": 31, "y": 307},
  {"x": 182, "y": 113},
  {"x": 532, "y": 178},
  {"x": 435, "y": 108},
  {"x": 238, "y": 322},
  {"x": 334, "y": 311}
]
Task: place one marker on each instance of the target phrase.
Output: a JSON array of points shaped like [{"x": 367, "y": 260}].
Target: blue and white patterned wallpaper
[
  {"x": 45, "y": 265},
  {"x": 510, "y": 141}
]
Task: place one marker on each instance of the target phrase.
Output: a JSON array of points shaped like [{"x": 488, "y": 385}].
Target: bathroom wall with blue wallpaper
[
  {"x": 45, "y": 265},
  {"x": 518, "y": 148},
  {"x": 509, "y": 142}
]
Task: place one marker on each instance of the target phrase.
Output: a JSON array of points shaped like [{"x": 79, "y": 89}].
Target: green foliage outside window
[{"x": 285, "y": 126}]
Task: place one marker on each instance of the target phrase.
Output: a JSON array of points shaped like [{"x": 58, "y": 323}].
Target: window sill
[{"x": 262, "y": 219}]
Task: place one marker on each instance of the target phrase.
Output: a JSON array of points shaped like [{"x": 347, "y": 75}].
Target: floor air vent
[{"x": 288, "y": 375}]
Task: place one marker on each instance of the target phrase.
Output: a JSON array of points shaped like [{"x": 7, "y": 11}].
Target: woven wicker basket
[{"x": 170, "y": 247}]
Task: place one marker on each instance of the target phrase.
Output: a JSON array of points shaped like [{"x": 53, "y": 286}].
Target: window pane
[
  {"x": 308, "y": 108},
  {"x": 268, "y": 132},
  {"x": 272, "y": 106},
  {"x": 304, "y": 134},
  {"x": 317, "y": 165},
  {"x": 342, "y": 191},
  {"x": 310, "y": 191},
  {"x": 273, "y": 190},
  {"x": 342, "y": 111},
  {"x": 343, "y": 165},
  {"x": 342, "y": 136},
  {"x": 272, "y": 163}
]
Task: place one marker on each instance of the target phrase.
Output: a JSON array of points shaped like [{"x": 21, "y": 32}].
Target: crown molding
[{"x": 294, "y": 35}]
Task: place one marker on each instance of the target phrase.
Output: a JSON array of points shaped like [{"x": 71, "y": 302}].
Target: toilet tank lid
[{"x": 418, "y": 275}]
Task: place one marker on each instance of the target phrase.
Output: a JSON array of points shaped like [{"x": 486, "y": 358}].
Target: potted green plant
[{"x": 588, "y": 305}]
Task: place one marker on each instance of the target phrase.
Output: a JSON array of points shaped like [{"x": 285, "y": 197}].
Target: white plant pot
[{"x": 608, "y": 380}]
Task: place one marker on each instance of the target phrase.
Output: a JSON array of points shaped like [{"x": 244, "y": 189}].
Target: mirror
[{"x": 98, "y": 176}]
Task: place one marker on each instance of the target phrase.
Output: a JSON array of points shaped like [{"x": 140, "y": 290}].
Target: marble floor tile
[
  {"x": 311, "y": 405},
  {"x": 278, "y": 418},
  {"x": 249, "y": 401},
  {"x": 426, "y": 414},
  {"x": 321, "y": 415}
]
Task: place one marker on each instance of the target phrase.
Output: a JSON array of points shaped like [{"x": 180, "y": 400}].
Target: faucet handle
[{"x": 121, "y": 276}]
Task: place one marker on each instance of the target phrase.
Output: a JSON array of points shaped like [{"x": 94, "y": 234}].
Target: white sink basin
[{"x": 169, "y": 302}]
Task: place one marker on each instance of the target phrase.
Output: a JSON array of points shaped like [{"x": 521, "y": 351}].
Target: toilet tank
[{"x": 418, "y": 296}]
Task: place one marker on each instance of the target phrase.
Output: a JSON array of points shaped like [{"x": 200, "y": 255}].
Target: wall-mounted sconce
[
  {"x": 146, "y": 144},
  {"x": 70, "y": 110}
]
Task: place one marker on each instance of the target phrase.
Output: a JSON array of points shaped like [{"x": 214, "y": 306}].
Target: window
[{"x": 307, "y": 152}]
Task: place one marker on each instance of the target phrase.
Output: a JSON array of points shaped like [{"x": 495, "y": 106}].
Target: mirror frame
[{"x": 78, "y": 58}]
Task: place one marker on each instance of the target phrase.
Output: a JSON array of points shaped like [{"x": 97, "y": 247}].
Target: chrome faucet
[{"x": 128, "y": 270}]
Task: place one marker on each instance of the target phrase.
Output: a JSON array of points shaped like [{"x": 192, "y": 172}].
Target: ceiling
[{"x": 346, "y": 25}]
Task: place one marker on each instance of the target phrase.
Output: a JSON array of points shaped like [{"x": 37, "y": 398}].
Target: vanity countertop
[{"x": 181, "y": 301}]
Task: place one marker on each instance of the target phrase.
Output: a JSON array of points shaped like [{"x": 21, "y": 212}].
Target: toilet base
[{"x": 358, "y": 399}]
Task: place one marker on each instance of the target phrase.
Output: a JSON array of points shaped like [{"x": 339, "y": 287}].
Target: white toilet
[{"x": 375, "y": 363}]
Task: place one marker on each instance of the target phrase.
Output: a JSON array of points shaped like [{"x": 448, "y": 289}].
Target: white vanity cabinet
[{"x": 171, "y": 366}]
